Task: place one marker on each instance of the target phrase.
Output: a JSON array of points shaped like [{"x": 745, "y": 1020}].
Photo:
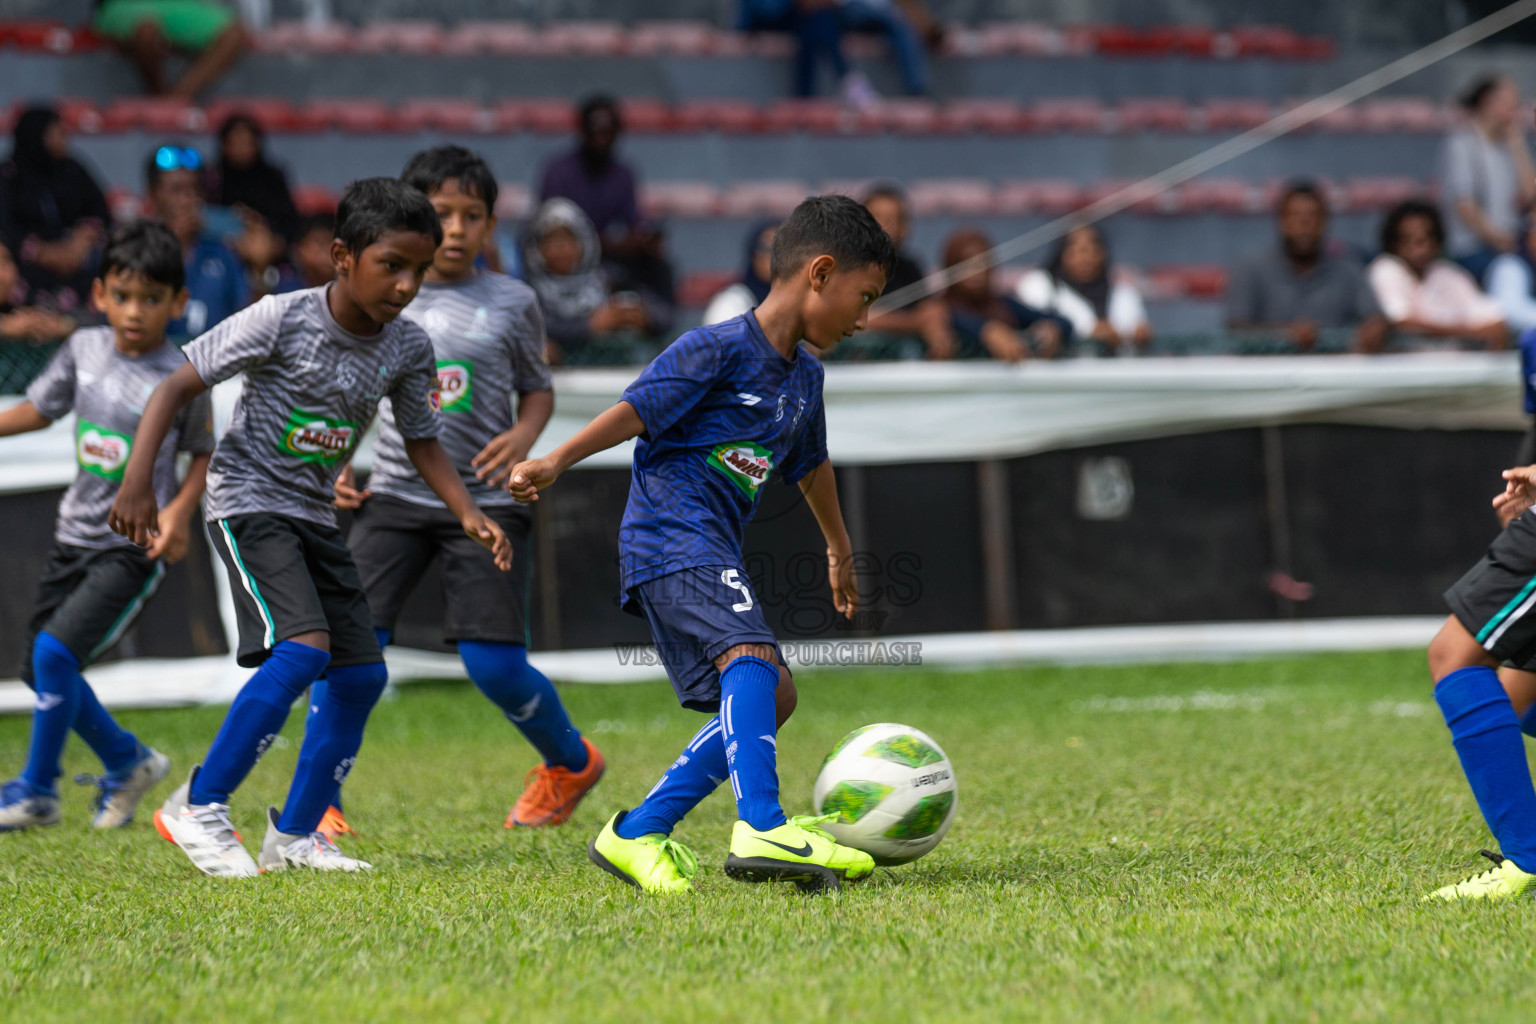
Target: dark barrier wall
[
  {"x": 182, "y": 620},
  {"x": 1251, "y": 524}
]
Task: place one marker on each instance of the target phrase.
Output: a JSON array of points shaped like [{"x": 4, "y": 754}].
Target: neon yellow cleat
[
  {"x": 798, "y": 851},
  {"x": 1503, "y": 881},
  {"x": 654, "y": 863}
]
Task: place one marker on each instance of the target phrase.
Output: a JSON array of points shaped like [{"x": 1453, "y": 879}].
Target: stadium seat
[
  {"x": 1233, "y": 115},
  {"x": 274, "y": 115},
  {"x": 583, "y": 38},
  {"x": 673, "y": 38},
  {"x": 496, "y": 38},
  {"x": 547, "y": 117},
  {"x": 697, "y": 288},
  {"x": 514, "y": 201},
  {"x": 1069, "y": 115},
  {"x": 302, "y": 37},
  {"x": 646, "y": 116},
  {"x": 1219, "y": 195},
  {"x": 313, "y": 199},
  {"x": 992, "y": 116},
  {"x": 408, "y": 37},
  {"x": 1152, "y": 113},
  {"x": 1203, "y": 281},
  {"x": 445, "y": 115},
  {"x": 687, "y": 199},
  {"x": 966, "y": 197},
  {"x": 1050, "y": 198},
  {"x": 126, "y": 205},
  {"x": 46, "y": 37},
  {"x": 154, "y": 115},
  {"x": 763, "y": 198},
  {"x": 1370, "y": 194},
  {"x": 79, "y": 115},
  {"x": 907, "y": 117},
  {"x": 816, "y": 116},
  {"x": 736, "y": 117},
  {"x": 347, "y": 115},
  {"x": 1402, "y": 114}
]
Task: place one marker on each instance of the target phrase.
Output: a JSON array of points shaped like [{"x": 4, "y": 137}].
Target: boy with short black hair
[
  {"x": 721, "y": 410},
  {"x": 489, "y": 338},
  {"x": 95, "y": 583},
  {"x": 316, "y": 363}
]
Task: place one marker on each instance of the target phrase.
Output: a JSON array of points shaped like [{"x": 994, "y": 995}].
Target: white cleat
[
  {"x": 204, "y": 833},
  {"x": 280, "y": 851},
  {"x": 22, "y": 807},
  {"x": 118, "y": 798}
]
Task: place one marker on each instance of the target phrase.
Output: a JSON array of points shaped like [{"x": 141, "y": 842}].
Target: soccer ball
[{"x": 893, "y": 792}]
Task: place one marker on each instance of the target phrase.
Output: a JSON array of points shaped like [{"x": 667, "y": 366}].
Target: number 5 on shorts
[{"x": 732, "y": 579}]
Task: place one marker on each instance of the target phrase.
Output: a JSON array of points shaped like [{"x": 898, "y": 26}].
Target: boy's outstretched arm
[
  {"x": 174, "y": 537},
  {"x": 438, "y": 471},
  {"x": 820, "y": 489},
  {"x": 22, "y": 418},
  {"x": 135, "y": 513},
  {"x": 613, "y": 426}
]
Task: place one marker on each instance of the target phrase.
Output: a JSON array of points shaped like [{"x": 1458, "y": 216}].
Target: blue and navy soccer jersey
[{"x": 723, "y": 412}]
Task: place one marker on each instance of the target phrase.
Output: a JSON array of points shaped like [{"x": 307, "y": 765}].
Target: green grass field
[{"x": 1226, "y": 842}]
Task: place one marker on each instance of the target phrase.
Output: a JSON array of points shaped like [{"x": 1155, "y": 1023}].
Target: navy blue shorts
[{"x": 696, "y": 615}]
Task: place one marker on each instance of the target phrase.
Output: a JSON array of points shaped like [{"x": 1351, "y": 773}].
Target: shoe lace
[
  {"x": 106, "y": 787},
  {"x": 1498, "y": 860},
  {"x": 214, "y": 820},
  {"x": 812, "y": 823},
  {"x": 687, "y": 864},
  {"x": 335, "y": 822},
  {"x": 315, "y": 842},
  {"x": 541, "y": 784}
]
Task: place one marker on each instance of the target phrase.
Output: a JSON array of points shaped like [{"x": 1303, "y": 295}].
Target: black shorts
[
  {"x": 1496, "y": 599},
  {"x": 88, "y": 597},
  {"x": 696, "y": 615},
  {"x": 395, "y": 541},
  {"x": 290, "y": 576}
]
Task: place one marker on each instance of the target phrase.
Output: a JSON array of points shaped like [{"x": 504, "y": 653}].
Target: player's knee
[
  {"x": 357, "y": 686},
  {"x": 786, "y": 697},
  {"x": 1453, "y": 648},
  {"x": 319, "y": 639},
  {"x": 762, "y": 652}
]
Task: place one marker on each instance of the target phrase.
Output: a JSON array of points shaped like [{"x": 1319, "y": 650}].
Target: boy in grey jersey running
[
  {"x": 95, "y": 583},
  {"x": 488, "y": 335},
  {"x": 316, "y": 363}
]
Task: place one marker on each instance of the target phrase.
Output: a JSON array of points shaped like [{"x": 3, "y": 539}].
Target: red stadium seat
[
  {"x": 1402, "y": 114},
  {"x": 497, "y": 38},
  {"x": 966, "y": 197},
  {"x": 1219, "y": 195},
  {"x": 347, "y": 115},
  {"x": 673, "y": 38},
  {"x": 583, "y": 38},
  {"x": 908, "y": 117},
  {"x": 1202, "y": 281},
  {"x": 1233, "y": 115},
  {"x": 1123, "y": 40},
  {"x": 125, "y": 205},
  {"x": 699, "y": 287},
  {"x": 686, "y": 199},
  {"x": 547, "y": 117},
  {"x": 1380, "y": 193},
  {"x": 415, "y": 37},
  {"x": 818, "y": 116},
  {"x": 773, "y": 45},
  {"x": 1069, "y": 115},
  {"x": 852, "y": 187},
  {"x": 992, "y": 116},
  {"x": 1187, "y": 40},
  {"x": 1267, "y": 41},
  {"x": 646, "y": 116},
  {"x": 763, "y": 198},
  {"x": 513, "y": 202},
  {"x": 302, "y": 37},
  {"x": 154, "y": 115},
  {"x": 82, "y": 116},
  {"x": 313, "y": 199},
  {"x": 46, "y": 37},
  {"x": 735, "y": 117},
  {"x": 1153, "y": 113},
  {"x": 445, "y": 115},
  {"x": 274, "y": 115}
]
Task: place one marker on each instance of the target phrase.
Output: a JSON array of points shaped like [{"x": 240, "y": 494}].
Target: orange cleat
[
  {"x": 334, "y": 824},
  {"x": 551, "y": 794}
]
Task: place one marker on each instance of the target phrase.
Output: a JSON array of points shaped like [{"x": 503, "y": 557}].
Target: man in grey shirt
[
  {"x": 1487, "y": 177},
  {"x": 1296, "y": 290}
]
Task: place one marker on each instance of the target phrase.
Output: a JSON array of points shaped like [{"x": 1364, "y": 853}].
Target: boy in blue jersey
[
  {"x": 488, "y": 336},
  {"x": 718, "y": 413}
]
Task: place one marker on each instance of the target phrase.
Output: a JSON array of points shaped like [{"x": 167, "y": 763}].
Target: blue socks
[
  {"x": 332, "y": 737},
  {"x": 64, "y": 701},
  {"x": 255, "y": 719},
  {"x": 528, "y": 699},
  {"x": 747, "y": 711},
  {"x": 1487, "y": 737},
  {"x": 693, "y": 776}
]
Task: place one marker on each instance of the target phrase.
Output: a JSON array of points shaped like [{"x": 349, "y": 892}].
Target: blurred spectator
[
  {"x": 244, "y": 177},
  {"x": 596, "y": 180},
  {"x": 735, "y": 299},
  {"x": 1423, "y": 293},
  {"x": 923, "y": 319},
  {"x": 215, "y": 277},
  {"x": 1297, "y": 288},
  {"x": 986, "y": 324},
  {"x": 311, "y": 252},
  {"x": 19, "y": 321},
  {"x": 1076, "y": 285},
  {"x": 149, "y": 31},
  {"x": 818, "y": 27},
  {"x": 55, "y": 213},
  {"x": 1512, "y": 284},
  {"x": 1487, "y": 174},
  {"x": 588, "y": 316}
]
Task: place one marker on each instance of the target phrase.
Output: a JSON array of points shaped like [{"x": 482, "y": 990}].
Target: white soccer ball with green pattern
[{"x": 892, "y": 789}]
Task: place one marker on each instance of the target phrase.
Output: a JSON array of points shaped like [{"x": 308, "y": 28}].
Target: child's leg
[
  {"x": 749, "y": 677},
  {"x": 1487, "y": 738},
  {"x": 317, "y": 696},
  {"x": 528, "y": 699},
  {"x": 258, "y": 714},
  {"x": 1521, "y": 687},
  {"x": 65, "y": 700},
  {"x": 332, "y": 737}
]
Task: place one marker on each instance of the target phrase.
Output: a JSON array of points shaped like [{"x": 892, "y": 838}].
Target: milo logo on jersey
[
  {"x": 745, "y": 464},
  {"x": 315, "y": 438},
  {"x": 455, "y": 379},
  {"x": 101, "y": 451}
]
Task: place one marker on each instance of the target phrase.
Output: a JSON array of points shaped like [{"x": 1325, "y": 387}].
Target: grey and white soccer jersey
[
  {"x": 107, "y": 390},
  {"x": 311, "y": 390},
  {"x": 488, "y": 334}
]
